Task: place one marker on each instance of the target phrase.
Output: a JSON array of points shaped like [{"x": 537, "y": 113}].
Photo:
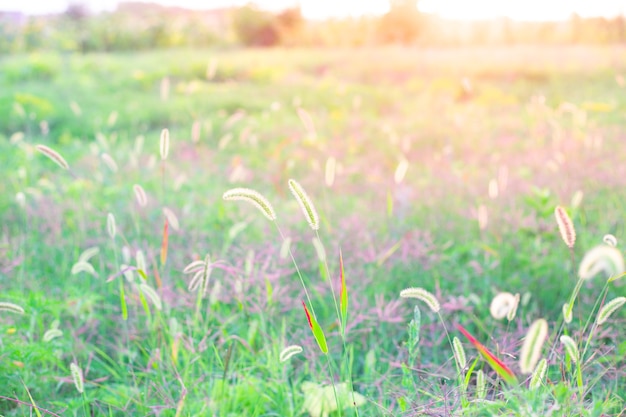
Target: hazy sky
[{"x": 460, "y": 9}]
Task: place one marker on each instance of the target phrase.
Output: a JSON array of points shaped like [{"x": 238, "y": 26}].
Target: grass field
[{"x": 438, "y": 169}]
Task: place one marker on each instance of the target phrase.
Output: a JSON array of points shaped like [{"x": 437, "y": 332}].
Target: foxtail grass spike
[
  {"x": 77, "y": 377},
  {"x": 481, "y": 386},
  {"x": 13, "y": 308},
  {"x": 501, "y": 305},
  {"x": 459, "y": 353},
  {"x": 289, "y": 351},
  {"x": 567, "y": 313},
  {"x": 111, "y": 225},
  {"x": 152, "y": 295},
  {"x": 253, "y": 197},
  {"x": 570, "y": 347},
  {"x": 566, "y": 226},
  {"x": 164, "y": 144},
  {"x": 513, "y": 310},
  {"x": 609, "y": 308},
  {"x": 539, "y": 374},
  {"x": 140, "y": 195},
  {"x": 423, "y": 295},
  {"x": 533, "y": 343},
  {"x": 305, "y": 204},
  {"x": 53, "y": 155}
]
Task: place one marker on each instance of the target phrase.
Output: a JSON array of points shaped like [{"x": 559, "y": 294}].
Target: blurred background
[{"x": 110, "y": 25}]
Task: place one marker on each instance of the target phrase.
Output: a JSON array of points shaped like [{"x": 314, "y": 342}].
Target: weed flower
[
  {"x": 481, "y": 390},
  {"x": 609, "y": 308},
  {"x": 51, "y": 334},
  {"x": 140, "y": 195},
  {"x": 610, "y": 240},
  {"x": 88, "y": 254},
  {"x": 289, "y": 351},
  {"x": 423, "y": 295},
  {"x": 570, "y": 347},
  {"x": 164, "y": 144},
  {"x": 152, "y": 295},
  {"x": 13, "y": 308},
  {"x": 539, "y": 374},
  {"x": 53, "y": 155},
  {"x": 459, "y": 353},
  {"x": 567, "y": 313},
  {"x": 253, "y": 197},
  {"x": 109, "y": 162},
  {"x": 601, "y": 258},
  {"x": 531, "y": 349},
  {"x": 305, "y": 203},
  {"x": 502, "y": 304},
  {"x": 111, "y": 225},
  {"x": 513, "y": 310},
  {"x": 82, "y": 266},
  {"x": 77, "y": 377},
  {"x": 171, "y": 218},
  {"x": 401, "y": 170},
  {"x": 140, "y": 260},
  {"x": 566, "y": 227}
]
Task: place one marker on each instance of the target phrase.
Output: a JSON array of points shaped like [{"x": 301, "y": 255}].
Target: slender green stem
[
  {"x": 330, "y": 372},
  {"x": 295, "y": 264}
]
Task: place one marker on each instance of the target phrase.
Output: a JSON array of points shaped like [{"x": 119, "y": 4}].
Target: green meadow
[{"x": 438, "y": 169}]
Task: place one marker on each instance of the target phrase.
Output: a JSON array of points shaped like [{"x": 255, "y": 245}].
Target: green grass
[{"x": 370, "y": 109}]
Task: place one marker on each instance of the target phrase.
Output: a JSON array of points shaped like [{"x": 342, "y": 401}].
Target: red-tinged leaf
[
  {"x": 501, "y": 369},
  {"x": 318, "y": 333},
  {"x": 157, "y": 277},
  {"x": 164, "y": 244},
  {"x": 343, "y": 295},
  {"x": 308, "y": 315}
]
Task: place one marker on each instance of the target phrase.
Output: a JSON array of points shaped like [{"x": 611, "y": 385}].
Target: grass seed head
[
  {"x": 253, "y": 197},
  {"x": 140, "y": 195},
  {"x": 171, "y": 218},
  {"x": 289, "y": 351},
  {"x": 566, "y": 226},
  {"x": 539, "y": 374},
  {"x": 610, "y": 240},
  {"x": 481, "y": 386},
  {"x": 502, "y": 304},
  {"x": 533, "y": 343},
  {"x": 567, "y": 313},
  {"x": 53, "y": 155},
  {"x": 601, "y": 258},
  {"x": 152, "y": 295},
  {"x": 109, "y": 162},
  {"x": 609, "y": 308},
  {"x": 423, "y": 295},
  {"x": 111, "y": 225},
  {"x": 570, "y": 347},
  {"x": 164, "y": 144},
  {"x": 459, "y": 353},
  {"x": 77, "y": 377},
  {"x": 51, "y": 334},
  {"x": 305, "y": 203},
  {"x": 13, "y": 308}
]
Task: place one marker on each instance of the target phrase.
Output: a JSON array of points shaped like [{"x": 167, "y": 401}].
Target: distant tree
[
  {"x": 289, "y": 24},
  {"x": 255, "y": 27},
  {"x": 401, "y": 24}
]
